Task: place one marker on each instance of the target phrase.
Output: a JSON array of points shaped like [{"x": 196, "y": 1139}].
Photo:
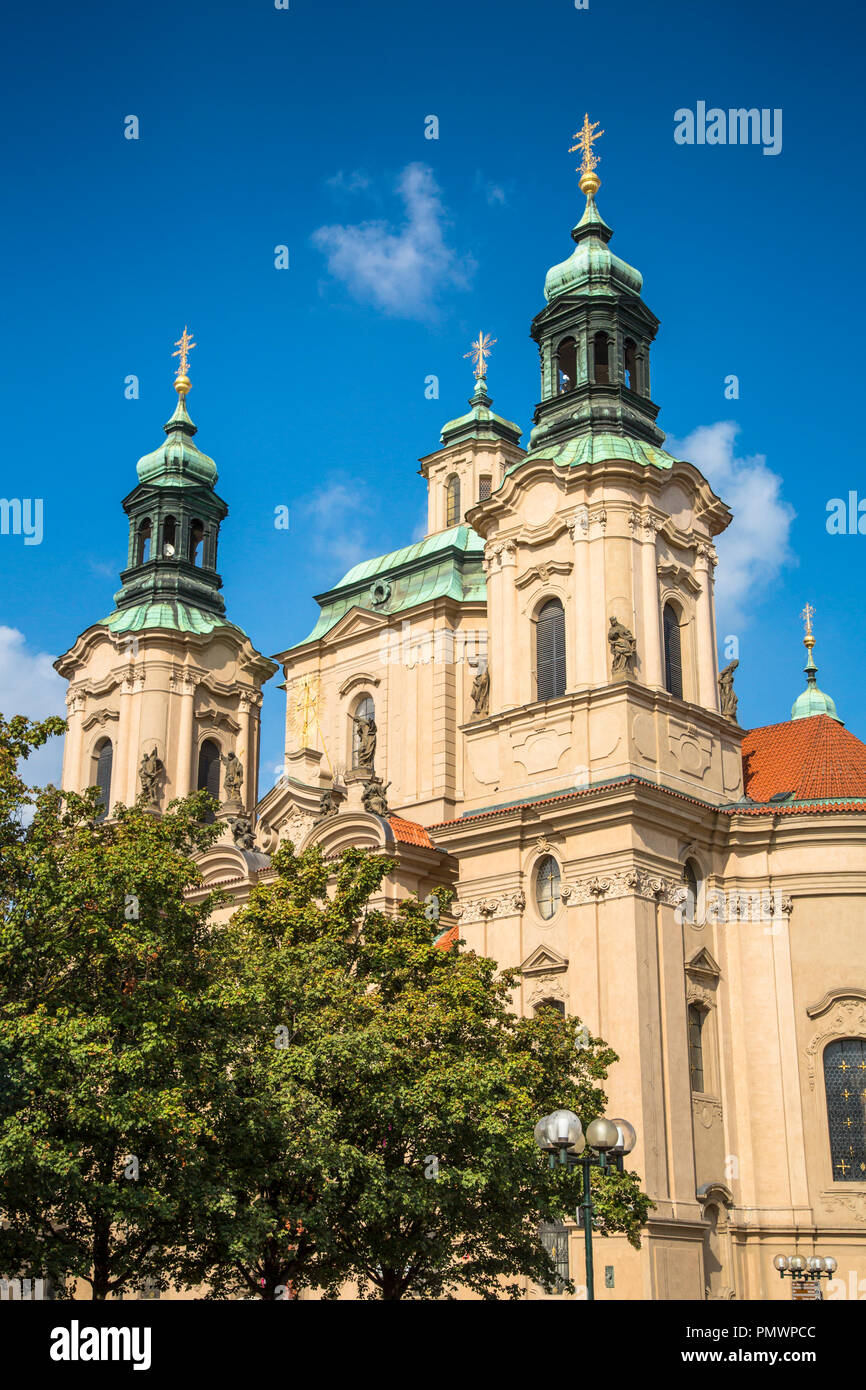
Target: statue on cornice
[
  {"x": 726, "y": 691},
  {"x": 234, "y": 778},
  {"x": 242, "y": 832},
  {"x": 149, "y": 772},
  {"x": 365, "y": 752},
  {"x": 328, "y": 806},
  {"x": 374, "y": 798},
  {"x": 480, "y": 691},
  {"x": 622, "y": 645}
]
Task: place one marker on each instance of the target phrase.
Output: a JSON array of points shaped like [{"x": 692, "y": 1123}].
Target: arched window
[
  {"x": 209, "y": 771},
  {"x": 550, "y": 651},
  {"x": 365, "y": 709},
  {"x": 196, "y": 536},
  {"x": 844, "y": 1084},
  {"x": 673, "y": 651},
  {"x": 452, "y": 501},
  {"x": 554, "y": 1238},
  {"x": 602, "y": 359},
  {"x": 103, "y": 760},
  {"x": 566, "y": 365},
  {"x": 169, "y": 537},
  {"x": 692, "y": 886},
  {"x": 630, "y": 364},
  {"x": 553, "y": 1005},
  {"x": 548, "y": 880},
  {"x": 142, "y": 552},
  {"x": 696, "y": 1046},
  {"x": 485, "y": 487}
]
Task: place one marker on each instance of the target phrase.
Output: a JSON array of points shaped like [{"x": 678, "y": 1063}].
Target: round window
[
  {"x": 547, "y": 886},
  {"x": 380, "y": 592}
]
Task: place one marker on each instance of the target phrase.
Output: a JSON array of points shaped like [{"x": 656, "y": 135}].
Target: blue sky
[{"x": 305, "y": 127}]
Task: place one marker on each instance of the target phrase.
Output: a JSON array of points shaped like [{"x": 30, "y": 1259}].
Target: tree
[
  {"x": 389, "y": 1141},
  {"x": 105, "y": 1088}
]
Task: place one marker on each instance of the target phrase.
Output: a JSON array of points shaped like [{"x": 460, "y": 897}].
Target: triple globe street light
[{"x": 603, "y": 1146}]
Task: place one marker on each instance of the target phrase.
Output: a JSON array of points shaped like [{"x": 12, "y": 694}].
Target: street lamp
[
  {"x": 604, "y": 1146},
  {"x": 809, "y": 1270}
]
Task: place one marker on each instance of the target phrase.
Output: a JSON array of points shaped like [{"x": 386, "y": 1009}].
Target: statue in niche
[
  {"x": 234, "y": 778},
  {"x": 149, "y": 773},
  {"x": 374, "y": 798},
  {"x": 726, "y": 691},
  {"x": 242, "y": 832},
  {"x": 622, "y": 645},
  {"x": 480, "y": 691},
  {"x": 366, "y": 745}
]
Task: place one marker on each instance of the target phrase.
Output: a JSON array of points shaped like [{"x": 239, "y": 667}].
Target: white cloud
[
  {"x": 756, "y": 545},
  {"x": 336, "y": 518},
  {"x": 356, "y": 181},
  {"x": 29, "y": 685},
  {"x": 495, "y": 193},
  {"x": 401, "y": 272}
]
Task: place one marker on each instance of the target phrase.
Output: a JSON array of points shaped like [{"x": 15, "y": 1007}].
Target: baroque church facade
[{"x": 526, "y": 706}]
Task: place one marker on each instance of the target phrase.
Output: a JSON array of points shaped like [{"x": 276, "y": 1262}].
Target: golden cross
[
  {"x": 585, "y": 138},
  {"x": 843, "y": 1066},
  {"x": 480, "y": 351},
  {"x": 845, "y": 1094},
  {"x": 184, "y": 345},
  {"x": 807, "y": 615},
  {"x": 843, "y": 1165}
]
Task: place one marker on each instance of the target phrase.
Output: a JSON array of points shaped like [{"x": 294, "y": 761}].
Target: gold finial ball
[
  {"x": 182, "y": 385},
  {"x": 590, "y": 183}
]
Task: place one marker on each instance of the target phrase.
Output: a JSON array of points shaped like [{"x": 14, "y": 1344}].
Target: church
[{"x": 526, "y": 706}]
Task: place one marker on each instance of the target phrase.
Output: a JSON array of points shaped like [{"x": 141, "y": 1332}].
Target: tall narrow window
[
  {"x": 550, "y": 651},
  {"x": 630, "y": 364},
  {"x": 845, "y": 1085},
  {"x": 485, "y": 487},
  {"x": 196, "y": 536},
  {"x": 602, "y": 359},
  {"x": 554, "y": 1238},
  {"x": 365, "y": 709},
  {"x": 169, "y": 537},
  {"x": 566, "y": 365},
  {"x": 143, "y": 542},
  {"x": 452, "y": 501},
  {"x": 696, "y": 1046},
  {"x": 209, "y": 771},
  {"x": 104, "y": 759},
  {"x": 673, "y": 651},
  {"x": 548, "y": 882},
  {"x": 690, "y": 879}
]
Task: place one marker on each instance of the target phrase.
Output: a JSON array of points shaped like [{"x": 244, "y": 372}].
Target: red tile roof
[
  {"x": 447, "y": 938},
  {"x": 814, "y": 758},
  {"x": 409, "y": 833}
]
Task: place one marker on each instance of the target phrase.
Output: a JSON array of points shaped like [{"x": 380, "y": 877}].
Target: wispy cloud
[
  {"x": 351, "y": 181},
  {"x": 336, "y": 519},
  {"x": 496, "y": 194},
  {"x": 29, "y": 685},
  {"x": 756, "y": 546},
  {"x": 404, "y": 271}
]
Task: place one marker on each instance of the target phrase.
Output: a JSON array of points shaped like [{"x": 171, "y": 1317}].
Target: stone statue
[
  {"x": 622, "y": 645},
  {"x": 149, "y": 773},
  {"x": 480, "y": 691},
  {"x": 242, "y": 832},
  {"x": 726, "y": 691},
  {"x": 366, "y": 747},
  {"x": 234, "y": 778},
  {"x": 327, "y": 806},
  {"x": 374, "y": 798}
]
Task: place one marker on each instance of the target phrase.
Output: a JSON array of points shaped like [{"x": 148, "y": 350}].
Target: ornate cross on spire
[
  {"x": 480, "y": 351},
  {"x": 807, "y": 615},
  {"x": 584, "y": 141},
  {"x": 184, "y": 345}
]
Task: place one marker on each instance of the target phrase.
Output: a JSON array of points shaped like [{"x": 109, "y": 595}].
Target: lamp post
[
  {"x": 809, "y": 1270},
  {"x": 604, "y": 1146}
]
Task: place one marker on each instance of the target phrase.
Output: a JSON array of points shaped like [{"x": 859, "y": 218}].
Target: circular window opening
[
  {"x": 547, "y": 886},
  {"x": 380, "y": 592}
]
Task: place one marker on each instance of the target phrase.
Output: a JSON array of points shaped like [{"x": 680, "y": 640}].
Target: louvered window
[
  {"x": 209, "y": 772},
  {"x": 485, "y": 486},
  {"x": 696, "y": 1046},
  {"x": 452, "y": 501},
  {"x": 673, "y": 654},
  {"x": 550, "y": 651},
  {"x": 104, "y": 761},
  {"x": 845, "y": 1086}
]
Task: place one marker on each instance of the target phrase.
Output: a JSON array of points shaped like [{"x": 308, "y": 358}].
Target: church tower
[{"x": 165, "y": 693}]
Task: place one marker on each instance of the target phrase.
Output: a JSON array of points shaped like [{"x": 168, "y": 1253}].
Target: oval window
[{"x": 547, "y": 886}]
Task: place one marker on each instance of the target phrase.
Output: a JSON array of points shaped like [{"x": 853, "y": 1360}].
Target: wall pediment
[{"x": 544, "y": 961}]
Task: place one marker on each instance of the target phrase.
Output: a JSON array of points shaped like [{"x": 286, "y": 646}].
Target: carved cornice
[
  {"x": 845, "y": 1018},
  {"x": 219, "y": 718},
  {"x": 833, "y": 996},
  {"x": 361, "y": 678},
  {"x": 543, "y": 573},
  {"x": 100, "y": 716}
]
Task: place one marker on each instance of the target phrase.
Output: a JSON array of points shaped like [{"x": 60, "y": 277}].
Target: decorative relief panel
[
  {"x": 595, "y": 888},
  {"x": 846, "y": 1018}
]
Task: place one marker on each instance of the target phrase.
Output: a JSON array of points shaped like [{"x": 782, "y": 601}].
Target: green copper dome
[
  {"x": 480, "y": 421},
  {"x": 177, "y": 462},
  {"x": 592, "y": 268},
  {"x": 812, "y": 701}
]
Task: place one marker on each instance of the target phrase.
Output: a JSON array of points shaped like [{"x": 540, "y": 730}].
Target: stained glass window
[{"x": 845, "y": 1085}]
